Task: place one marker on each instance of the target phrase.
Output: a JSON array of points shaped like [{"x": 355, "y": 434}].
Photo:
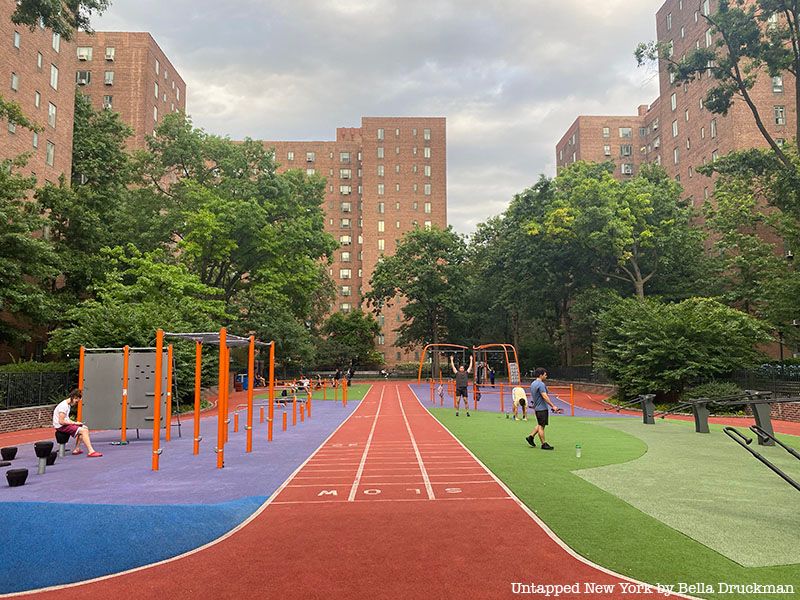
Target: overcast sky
[{"x": 509, "y": 75}]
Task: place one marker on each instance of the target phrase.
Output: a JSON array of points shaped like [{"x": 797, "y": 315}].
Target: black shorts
[
  {"x": 543, "y": 417},
  {"x": 461, "y": 392}
]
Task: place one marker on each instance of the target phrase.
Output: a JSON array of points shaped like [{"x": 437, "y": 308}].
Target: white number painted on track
[
  {"x": 372, "y": 492},
  {"x": 328, "y": 493},
  {"x": 415, "y": 490},
  {"x": 452, "y": 490}
]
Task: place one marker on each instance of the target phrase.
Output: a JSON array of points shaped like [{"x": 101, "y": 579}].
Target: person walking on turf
[
  {"x": 76, "y": 429},
  {"x": 541, "y": 401},
  {"x": 462, "y": 383},
  {"x": 519, "y": 400}
]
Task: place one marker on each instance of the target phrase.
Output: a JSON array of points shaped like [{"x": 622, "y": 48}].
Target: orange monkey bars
[{"x": 453, "y": 347}]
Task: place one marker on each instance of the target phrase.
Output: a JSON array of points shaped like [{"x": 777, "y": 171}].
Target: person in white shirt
[
  {"x": 519, "y": 400},
  {"x": 76, "y": 429}
]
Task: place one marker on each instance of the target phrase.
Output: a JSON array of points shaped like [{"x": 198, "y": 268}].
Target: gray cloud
[{"x": 510, "y": 76}]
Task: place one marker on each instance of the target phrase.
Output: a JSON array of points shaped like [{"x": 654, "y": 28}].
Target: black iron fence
[
  {"x": 770, "y": 378},
  {"x": 19, "y": 390},
  {"x": 584, "y": 374}
]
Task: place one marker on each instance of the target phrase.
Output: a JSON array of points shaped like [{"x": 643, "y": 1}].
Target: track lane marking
[
  {"x": 360, "y": 471},
  {"x": 425, "y": 478}
]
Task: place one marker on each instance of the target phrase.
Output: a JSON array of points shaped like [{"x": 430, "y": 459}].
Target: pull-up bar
[{"x": 455, "y": 347}]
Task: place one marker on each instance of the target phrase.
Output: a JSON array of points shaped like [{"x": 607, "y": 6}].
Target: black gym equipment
[
  {"x": 51, "y": 459},
  {"x": 16, "y": 477},
  {"x": 42, "y": 450},
  {"x": 9, "y": 453},
  {"x": 61, "y": 439},
  {"x": 745, "y": 442}
]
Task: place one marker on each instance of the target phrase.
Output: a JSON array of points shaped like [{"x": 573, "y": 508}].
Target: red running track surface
[{"x": 391, "y": 506}]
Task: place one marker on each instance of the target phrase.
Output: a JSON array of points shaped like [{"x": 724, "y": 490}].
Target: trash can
[{"x": 245, "y": 382}]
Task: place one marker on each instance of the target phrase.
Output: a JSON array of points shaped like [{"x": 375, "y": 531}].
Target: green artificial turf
[
  {"x": 356, "y": 391},
  {"x": 596, "y": 523},
  {"x": 710, "y": 489}
]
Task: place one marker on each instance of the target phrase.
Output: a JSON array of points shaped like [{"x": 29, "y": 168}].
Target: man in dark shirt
[
  {"x": 462, "y": 383},
  {"x": 541, "y": 402}
]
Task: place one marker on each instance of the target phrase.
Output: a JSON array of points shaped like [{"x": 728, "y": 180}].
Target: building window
[
  {"x": 83, "y": 77},
  {"x": 110, "y": 53},
  {"x": 158, "y": 67},
  {"x": 39, "y": 60},
  {"x": 780, "y": 115},
  {"x": 14, "y": 82},
  {"x": 345, "y": 308},
  {"x": 427, "y": 208},
  {"x": 426, "y": 152},
  {"x": 12, "y": 127},
  {"x": 381, "y": 245},
  {"x": 714, "y": 156},
  {"x": 627, "y": 169},
  {"x": 344, "y": 157},
  {"x": 345, "y": 173},
  {"x": 675, "y": 128},
  {"x": 290, "y": 155},
  {"x": 428, "y": 225},
  {"x": 108, "y": 102},
  {"x": 56, "y": 42},
  {"x": 397, "y": 224},
  {"x": 345, "y": 256},
  {"x": 311, "y": 171},
  {"x": 380, "y": 151},
  {"x": 713, "y": 128},
  {"x": 427, "y": 189},
  {"x": 108, "y": 77},
  {"x": 84, "y": 53},
  {"x": 381, "y": 134},
  {"x": 51, "y": 114},
  {"x": 669, "y": 21},
  {"x": 345, "y": 224},
  {"x": 346, "y": 291},
  {"x": 777, "y": 84},
  {"x": 345, "y": 190},
  {"x": 346, "y": 207},
  {"x": 626, "y": 132},
  {"x": 51, "y": 153},
  {"x": 155, "y": 89},
  {"x": 626, "y": 150},
  {"x": 381, "y": 208},
  {"x": 380, "y": 171},
  {"x": 35, "y": 140},
  {"x": 426, "y": 134},
  {"x": 381, "y": 189},
  {"x": 427, "y": 170},
  {"x": 673, "y": 101},
  {"x": 16, "y": 39},
  {"x": 675, "y": 156},
  {"x": 780, "y": 142},
  {"x": 37, "y": 99},
  {"x": 381, "y": 226},
  {"x": 155, "y": 114},
  {"x": 706, "y": 8},
  {"x": 311, "y": 156},
  {"x": 345, "y": 240},
  {"x": 381, "y": 339}
]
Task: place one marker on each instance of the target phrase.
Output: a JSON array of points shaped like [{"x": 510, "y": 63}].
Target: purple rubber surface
[
  {"x": 490, "y": 401},
  {"x": 124, "y": 476}
]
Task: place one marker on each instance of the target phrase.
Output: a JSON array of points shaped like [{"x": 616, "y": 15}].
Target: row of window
[
  {"x": 55, "y": 43},
  {"x": 426, "y": 133},
  {"x": 50, "y": 148},
  {"x": 15, "y": 81},
  {"x": 705, "y": 8},
  {"x": 344, "y": 157},
  {"x": 347, "y": 223},
  {"x": 348, "y": 173}
]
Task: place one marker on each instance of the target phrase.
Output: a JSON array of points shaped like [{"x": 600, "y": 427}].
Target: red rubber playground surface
[{"x": 391, "y": 506}]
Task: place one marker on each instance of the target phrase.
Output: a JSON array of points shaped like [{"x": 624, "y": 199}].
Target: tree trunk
[{"x": 565, "y": 326}]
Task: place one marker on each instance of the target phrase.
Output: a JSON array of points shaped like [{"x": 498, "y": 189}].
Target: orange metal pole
[
  {"x": 302, "y": 414},
  {"x": 261, "y": 416},
  {"x": 251, "y": 368},
  {"x": 157, "y": 398},
  {"x": 124, "y": 421},
  {"x": 81, "y": 361},
  {"x": 168, "y": 418},
  {"x": 236, "y": 421},
  {"x": 502, "y": 403},
  {"x": 308, "y": 402},
  {"x": 285, "y": 419},
  {"x": 572, "y": 398},
  {"x": 220, "y": 401},
  {"x": 271, "y": 389},
  {"x": 294, "y": 411},
  {"x": 226, "y": 396},
  {"x": 325, "y": 389},
  {"x": 198, "y": 370},
  {"x": 433, "y": 398},
  {"x": 344, "y": 392}
]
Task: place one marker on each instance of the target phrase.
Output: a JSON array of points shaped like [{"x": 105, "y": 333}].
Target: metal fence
[
  {"x": 770, "y": 378},
  {"x": 18, "y": 390},
  {"x": 584, "y": 374}
]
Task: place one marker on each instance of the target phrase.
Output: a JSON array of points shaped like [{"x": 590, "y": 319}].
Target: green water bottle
[{"x": 577, "y": 450}]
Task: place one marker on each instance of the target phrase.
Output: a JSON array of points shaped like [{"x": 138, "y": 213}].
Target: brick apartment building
[
  {"x": 383, "y": 179},
  {"x": 676, "y": 130},
  {"x": 36, "y": 68},
  {"x": 128, "y": 73}
]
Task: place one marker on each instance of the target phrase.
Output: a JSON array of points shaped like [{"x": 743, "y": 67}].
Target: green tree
[
  {"x": 647, "y": 346},
  {"x": 632, "y": 230},
  {"x": 427, "y": 272},
  {"x": 26, "y": 258},
  {"x": 64, "y": 17},
  {"x": 85, "y": 217},
  {"x": 349, "y": 339}
]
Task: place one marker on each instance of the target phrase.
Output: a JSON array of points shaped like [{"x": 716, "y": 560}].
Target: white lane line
[
  {"x": 366, "y": 500},
  {"x": 366, "y": 450},
  {"x": 425, "y": 478},
  {"x": 385, "y": 483}
]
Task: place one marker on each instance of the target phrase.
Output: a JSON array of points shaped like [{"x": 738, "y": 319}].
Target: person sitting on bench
[{"x": 76, "y": 429}]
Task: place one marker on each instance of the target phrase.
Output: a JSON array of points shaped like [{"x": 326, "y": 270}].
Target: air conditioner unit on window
[{"x": 83, "y": 57}]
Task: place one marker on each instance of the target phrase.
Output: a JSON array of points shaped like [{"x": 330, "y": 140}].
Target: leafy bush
[
  {"x": 713, "y": 389},
  {"x": 32, "y": 366},
  {"x": 647, "y": 346}
]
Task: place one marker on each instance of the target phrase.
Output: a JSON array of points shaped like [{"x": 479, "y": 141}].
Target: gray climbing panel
[{"x": 513, "y": 373}]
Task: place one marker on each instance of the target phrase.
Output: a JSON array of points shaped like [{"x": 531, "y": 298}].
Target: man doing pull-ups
[{"x": 462, "y": 382}]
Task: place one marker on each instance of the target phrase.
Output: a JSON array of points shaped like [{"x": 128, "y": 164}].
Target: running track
[{"x": 391, "y": 506}]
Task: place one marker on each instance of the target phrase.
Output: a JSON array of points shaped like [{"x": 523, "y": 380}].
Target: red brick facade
[
  {"x": 130, "y": 74},
  {"x": 383, "y": 179},
  {"x": 36, "y": 73},
  {"x": 26, "y": 418}
]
